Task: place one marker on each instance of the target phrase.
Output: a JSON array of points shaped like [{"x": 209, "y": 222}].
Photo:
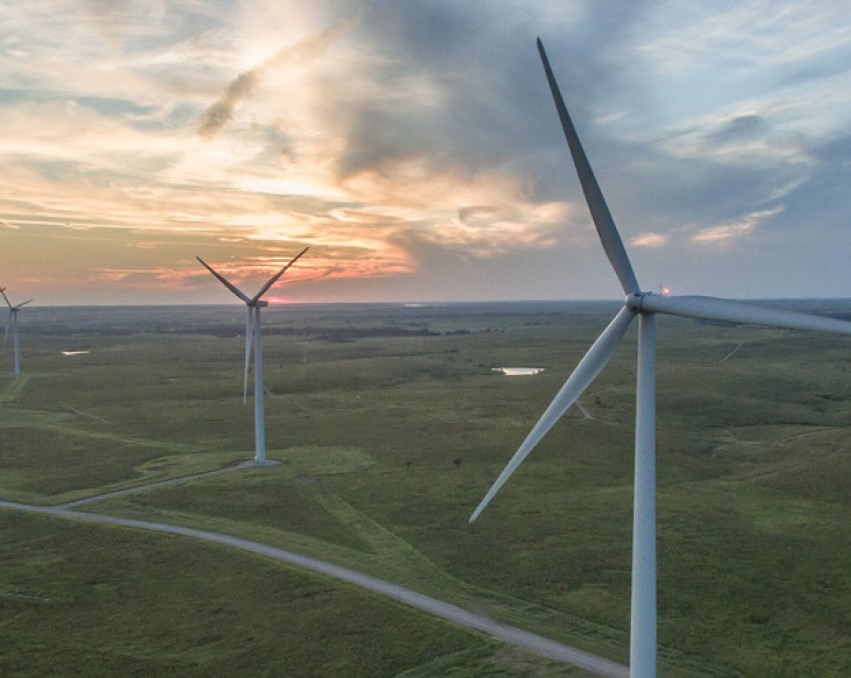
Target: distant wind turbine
[
  {"x": 12, "y": 322},
  {"x": 645, "y": 305},
  {"x": 252, "y": 331}
]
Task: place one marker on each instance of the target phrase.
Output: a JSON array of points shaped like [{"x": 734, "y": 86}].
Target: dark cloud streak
[{"x": 221, "y": 112}]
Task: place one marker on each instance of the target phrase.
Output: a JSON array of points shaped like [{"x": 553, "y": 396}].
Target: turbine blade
[
  {"x": 28, "y": 301},
  {"x": 249, "y": 342},
  {"x": 275, "y": 277},
  {"x": 586, "y": 371},
  {"x": 225, "y": 282},
  {"x": 725, "y": 310},
  {"x": 606, "y": 229},
  {"x": 3, "y": 292},
  {"x": 6, "y": 333}
]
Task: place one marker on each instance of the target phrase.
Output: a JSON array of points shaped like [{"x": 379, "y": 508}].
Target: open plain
[{"x": 390, "y": 423}]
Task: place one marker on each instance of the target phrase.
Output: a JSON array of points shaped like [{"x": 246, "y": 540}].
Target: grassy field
[
  {"x": 95, "y": 601},
  {"x": 391, "y": 424}
]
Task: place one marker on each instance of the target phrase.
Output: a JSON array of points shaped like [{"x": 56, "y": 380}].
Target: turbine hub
[{"x": 635, "y": 300}]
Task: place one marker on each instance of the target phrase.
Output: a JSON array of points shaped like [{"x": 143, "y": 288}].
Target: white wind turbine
[
  {"x": 645, "y": 305},
  {"x": 253, "y": 333},
  {"x": 12, "y": 322}
]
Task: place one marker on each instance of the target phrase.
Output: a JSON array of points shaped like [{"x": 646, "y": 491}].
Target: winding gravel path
[{"x": 507, "y": 634}]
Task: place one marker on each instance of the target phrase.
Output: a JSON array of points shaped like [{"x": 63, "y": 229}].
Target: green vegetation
[
  {"x": 390, "y": 425},
  {"x": 99, "y": 601}
]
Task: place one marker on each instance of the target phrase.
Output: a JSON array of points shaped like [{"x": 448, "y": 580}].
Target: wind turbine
[
  {"x": 252, "y": 332},
  {"x": 645, "y": 305},
  {"x": 12, "y": 322}
]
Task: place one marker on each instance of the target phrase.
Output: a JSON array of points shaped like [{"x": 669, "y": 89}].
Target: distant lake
[{"x": 517, "y": 371}]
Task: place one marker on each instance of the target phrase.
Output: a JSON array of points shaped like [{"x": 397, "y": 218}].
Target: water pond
[{"x": 518, "y": 371}]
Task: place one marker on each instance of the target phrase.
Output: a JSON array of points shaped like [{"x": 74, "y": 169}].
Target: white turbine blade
[
  {"x": 6, "y": 333},
  {"x": 586, "y": 371},
  {"x": 28, "y": 301},
  {"x": 606, "y": 229},
  {"x": 225, "y": 282},
  {"x": 724, "y": 310},
  {"x": 275, "y": 277},
  {"x": 249, "y": 341}
]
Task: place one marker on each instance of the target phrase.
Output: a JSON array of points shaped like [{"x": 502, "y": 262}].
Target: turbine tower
[
  {"x": 253, "y": 334},
  {"x": 12, "y": 322},
  {"x": 645, "y": 305}
]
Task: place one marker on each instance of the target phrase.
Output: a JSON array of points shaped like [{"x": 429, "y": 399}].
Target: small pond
[{"x": 518, "y": 371}]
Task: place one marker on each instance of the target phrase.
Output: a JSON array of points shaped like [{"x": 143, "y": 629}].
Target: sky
[{"x": 414, "y": 147}]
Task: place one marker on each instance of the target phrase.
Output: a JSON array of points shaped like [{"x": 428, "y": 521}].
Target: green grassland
[
  {"x": 95, "y": 601},
  {"x": 390, "y": 425}
]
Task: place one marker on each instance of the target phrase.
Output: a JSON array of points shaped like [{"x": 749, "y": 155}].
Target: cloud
[
  {"x": 221, "y": 112},
  {"x": 725, "y": 233},
  {"x": 740, "y": 127},
  {"x": 821, "y": 201},
  {"x": 107, "y": 16},
  {"x": 417, "y": 139},
  {"x": 147, "y": 244},
  {"x": 11, "y": 226},
  {"x": 652, "y": 240}
]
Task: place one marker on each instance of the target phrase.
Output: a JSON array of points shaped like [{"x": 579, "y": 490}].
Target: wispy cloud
[
  {"x": 725, "y": 233},
  {"x": 651, "y": 240}
]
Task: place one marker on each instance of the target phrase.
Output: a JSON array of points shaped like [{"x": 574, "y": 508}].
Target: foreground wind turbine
[
  {"x": 252, "y": 331},
  {"x": 645, "y": 305},
  {"x": 12, "y": 322}
]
